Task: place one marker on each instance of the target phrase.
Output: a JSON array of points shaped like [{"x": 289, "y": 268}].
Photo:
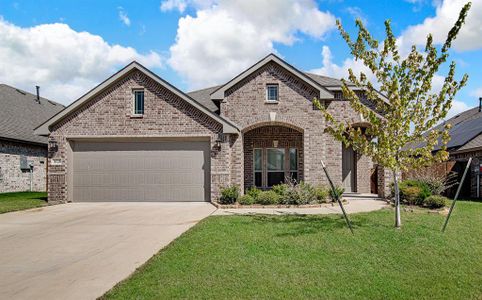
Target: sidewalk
[{"x": 353, "y": 206}]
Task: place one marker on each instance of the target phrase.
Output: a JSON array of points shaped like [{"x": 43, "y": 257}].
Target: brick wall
[
  {"x": 245, "y": 105},
  {"x": 109, "y": 114},
  {"x": 12, "y": 178}
]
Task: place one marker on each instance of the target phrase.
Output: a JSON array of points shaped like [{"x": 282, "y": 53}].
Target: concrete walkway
[
  {"x": 353, "y": 206},
  {"x": 81, "y": 250}
]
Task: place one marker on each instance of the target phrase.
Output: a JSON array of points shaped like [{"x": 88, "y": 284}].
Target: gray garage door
[{"x": 141, "y": 171}]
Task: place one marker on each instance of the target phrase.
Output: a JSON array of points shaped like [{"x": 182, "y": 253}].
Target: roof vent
[
  {"x": 38, "y": 94},
  {"x": 480, "y": 104}
]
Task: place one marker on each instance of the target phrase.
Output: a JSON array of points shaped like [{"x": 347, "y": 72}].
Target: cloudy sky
[{"x": 68, "y": 47}]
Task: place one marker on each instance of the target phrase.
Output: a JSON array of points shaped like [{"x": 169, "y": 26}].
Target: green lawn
[
  {"x": 22, "y": 200},
  {"x": 238, "y": 257}
]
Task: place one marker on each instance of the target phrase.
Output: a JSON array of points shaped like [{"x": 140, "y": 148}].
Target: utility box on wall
[{"x": 25, "y": 164}]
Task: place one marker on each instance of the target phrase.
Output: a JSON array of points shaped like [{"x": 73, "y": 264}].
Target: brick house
[
  {"x": 135, "y": 137},
  {"x": 23, "y": 155},
  {"x": 466, "y": 141}
]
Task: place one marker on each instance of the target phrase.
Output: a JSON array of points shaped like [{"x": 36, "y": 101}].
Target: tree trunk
[{"x": 398, "y": 221}]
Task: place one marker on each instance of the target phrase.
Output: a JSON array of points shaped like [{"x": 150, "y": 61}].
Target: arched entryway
[{"x": 272, "y": 154}]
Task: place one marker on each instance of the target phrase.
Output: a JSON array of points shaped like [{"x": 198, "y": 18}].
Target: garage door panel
[{"x": 143, "y": 171}]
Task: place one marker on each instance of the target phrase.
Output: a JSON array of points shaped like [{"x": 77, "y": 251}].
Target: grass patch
[
  {"x": 239, "y": 257},
  {"x": 22, "y": 200}
]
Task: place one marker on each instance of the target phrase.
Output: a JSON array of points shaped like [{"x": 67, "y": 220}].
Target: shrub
[
  {"x": 438, "y": 182},
  {"x": 253, "y": 192},
  {"x": 280, "y": 189},
  {"x": 268, "y": 198},
  {"x": 407, "y": 192},
  {"x": 246, "y": 200},
  {"x": 322, "y": 194},
  {"x": 411, "y": 195},
  {"x": 298, "y": 194},
  {"x": 338, "y": 192},
  {"x": 229, "y": 195},
  {"x": 435, "y": 201}
]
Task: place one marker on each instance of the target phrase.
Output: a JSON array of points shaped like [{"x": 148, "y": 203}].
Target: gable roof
[
  {"x": 203, "y": 96},
  {"x": 20, "y": 114},
  {"x": 218, "y": 94},
  {"x": 44, "y": 129}
]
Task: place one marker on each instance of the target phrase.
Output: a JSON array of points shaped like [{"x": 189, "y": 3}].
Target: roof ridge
[{"x": 32, "y": 94}]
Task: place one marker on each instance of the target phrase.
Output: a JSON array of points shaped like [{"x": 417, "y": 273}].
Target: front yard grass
[
  {"x": 239, "y": 257},
  {"x": 22, "y": 200}
]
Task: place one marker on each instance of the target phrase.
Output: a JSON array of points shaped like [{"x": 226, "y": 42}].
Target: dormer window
[
  {"x": 138, "y": 102},
  {"x": 272, "y": 93}
]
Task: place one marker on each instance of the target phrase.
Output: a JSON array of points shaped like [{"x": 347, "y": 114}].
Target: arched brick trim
[
  {"x": 272, "y": 123},
  {"x": 262, "y": 136}
]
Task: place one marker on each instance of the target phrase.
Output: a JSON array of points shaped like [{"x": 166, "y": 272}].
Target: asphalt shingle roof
[
  {"x": 465, "y": 126},
  {"x": 20, "y": 114},
  {"x": 204, "y": 97},
  {"x": 324, "y": 80}
]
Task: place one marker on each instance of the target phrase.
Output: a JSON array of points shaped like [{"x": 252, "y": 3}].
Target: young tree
[{"x": 408, "y": 112}]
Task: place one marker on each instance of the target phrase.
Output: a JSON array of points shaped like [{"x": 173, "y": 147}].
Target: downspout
[{"x": 31, "y": 178}]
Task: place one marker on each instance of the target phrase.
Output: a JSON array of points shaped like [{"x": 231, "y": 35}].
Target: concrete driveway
[{"x": 81, "y": 250}]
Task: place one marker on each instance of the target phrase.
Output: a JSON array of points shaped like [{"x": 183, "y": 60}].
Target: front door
[{"x": 348, "y": 169}]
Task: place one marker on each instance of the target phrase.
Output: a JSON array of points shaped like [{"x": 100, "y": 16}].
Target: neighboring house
[
  {"x": 23, "y": 155},
  {"x": 465, "y": 142},
  {"x": 135, "y": 137}
]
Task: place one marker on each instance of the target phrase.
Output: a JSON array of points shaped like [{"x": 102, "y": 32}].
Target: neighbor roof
[
  {"x": 20, "y": 114},
  {"x": 218, "y": 94},
  {"x": 465, "y": 126},
  {"x": 44, "y": 129}
]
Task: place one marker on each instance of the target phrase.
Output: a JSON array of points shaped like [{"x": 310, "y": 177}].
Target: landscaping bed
[
  {"x": 237, "y": 205},
  {"x": 291, "y": 194}
]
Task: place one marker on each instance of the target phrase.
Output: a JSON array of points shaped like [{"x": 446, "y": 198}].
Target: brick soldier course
[{"x": 234, "y": 117}]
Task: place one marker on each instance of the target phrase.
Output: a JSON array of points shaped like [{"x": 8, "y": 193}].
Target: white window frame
[
  {"x": 277, "y": 92},
  {"x": 134, "y": 103}
]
